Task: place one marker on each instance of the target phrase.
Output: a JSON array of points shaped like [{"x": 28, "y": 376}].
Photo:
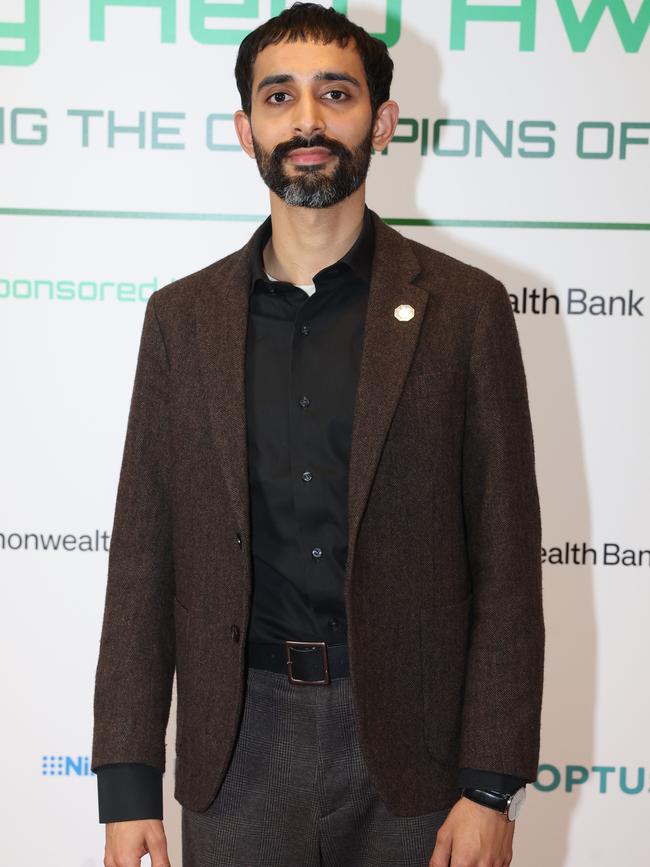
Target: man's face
[{"x": 311, "y": 122}]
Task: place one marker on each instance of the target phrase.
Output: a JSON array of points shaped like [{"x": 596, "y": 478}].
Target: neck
[{"x": 306, "y": 240}]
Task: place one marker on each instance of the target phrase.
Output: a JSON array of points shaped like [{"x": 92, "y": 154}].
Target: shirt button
[
  {"x": 234, "y": 631},
  {"x": 304, "y": 329},
  {"x": 333, "y": 623},
  {"x": 304, "y": 401},
  {"x": 316, "y": 552},
  {"x": 271, "y": 290},
  {"x": 306, "y": 476}
]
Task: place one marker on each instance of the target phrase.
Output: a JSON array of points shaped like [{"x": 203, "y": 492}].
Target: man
[{"x": 329, "y": 454}]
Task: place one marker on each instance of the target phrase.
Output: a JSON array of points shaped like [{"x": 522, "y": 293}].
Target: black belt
[{"x": 306, "y": 662}]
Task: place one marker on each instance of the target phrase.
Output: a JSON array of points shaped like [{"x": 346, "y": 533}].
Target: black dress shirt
[{"x": 302, "y": 367}]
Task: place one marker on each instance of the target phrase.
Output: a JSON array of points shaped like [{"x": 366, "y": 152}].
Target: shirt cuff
[
  {"x": 491, "y": 780},
  {"x": 129, "y": 790}
]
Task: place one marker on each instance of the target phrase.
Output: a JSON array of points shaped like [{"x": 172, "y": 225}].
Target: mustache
[{"x": 318, "y": 141}]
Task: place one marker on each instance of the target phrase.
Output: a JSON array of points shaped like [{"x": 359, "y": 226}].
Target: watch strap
[{"x": 495, "y": 800}]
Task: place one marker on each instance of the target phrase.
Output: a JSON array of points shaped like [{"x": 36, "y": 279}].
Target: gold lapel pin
[{"x": 404, "y": 312}]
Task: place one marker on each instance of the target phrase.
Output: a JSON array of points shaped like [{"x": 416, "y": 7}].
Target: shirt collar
[{"x": 358, "y": 258}]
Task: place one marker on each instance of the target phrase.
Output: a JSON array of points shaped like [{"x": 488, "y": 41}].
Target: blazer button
[
  {"x": 239, "y": 540},
  {"x": 234, "y": 631}
]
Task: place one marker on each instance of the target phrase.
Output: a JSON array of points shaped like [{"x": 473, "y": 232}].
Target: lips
[{"x": 308, "y": 156}]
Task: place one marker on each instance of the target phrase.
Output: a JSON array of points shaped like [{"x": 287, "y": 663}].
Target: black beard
[{"x": 313, "y": 188}]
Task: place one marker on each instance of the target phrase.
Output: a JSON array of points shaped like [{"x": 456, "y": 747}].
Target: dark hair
[{"x": 313, "y": 22}]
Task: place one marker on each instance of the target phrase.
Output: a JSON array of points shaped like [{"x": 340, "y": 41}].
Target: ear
[
  {"x": 244, "y": 133},
  {"x": 385, "y": 124}
]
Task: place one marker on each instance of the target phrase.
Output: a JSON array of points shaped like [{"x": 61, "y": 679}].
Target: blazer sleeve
[
  {"x": 501, "y": 717},
  {"x": 135, "y": 668}
]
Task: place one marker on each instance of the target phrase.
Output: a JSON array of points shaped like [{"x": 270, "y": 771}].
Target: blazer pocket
[
  {"x": 181, "y": 630},
  {"x": 444, "y": 636},
  {"x": 428, "y": 382}
]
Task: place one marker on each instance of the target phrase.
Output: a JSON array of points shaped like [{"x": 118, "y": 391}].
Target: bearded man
[{"x": 327, "y": 521}]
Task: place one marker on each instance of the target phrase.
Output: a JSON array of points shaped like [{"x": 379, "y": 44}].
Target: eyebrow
[{"x": 285, "y": 78}]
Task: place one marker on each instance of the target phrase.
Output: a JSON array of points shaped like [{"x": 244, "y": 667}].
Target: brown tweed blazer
[{"x": 443, "y": 579}]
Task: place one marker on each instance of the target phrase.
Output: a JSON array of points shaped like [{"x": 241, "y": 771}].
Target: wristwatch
[{"x": 510, "y": 805}]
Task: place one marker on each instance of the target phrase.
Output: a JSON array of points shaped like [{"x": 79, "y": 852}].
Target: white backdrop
[{"x": 94, "y": 218}]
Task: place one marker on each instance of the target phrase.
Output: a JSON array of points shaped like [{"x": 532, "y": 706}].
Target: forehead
[{"x": 304, "y": 59}]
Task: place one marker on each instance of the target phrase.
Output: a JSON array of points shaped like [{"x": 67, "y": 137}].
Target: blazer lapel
[
  {"x": 388, "y": 347},
  {"x": 221, "y": 324}
]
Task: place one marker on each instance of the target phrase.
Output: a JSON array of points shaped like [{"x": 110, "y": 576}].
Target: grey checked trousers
[{"x": 297, "y": 791}]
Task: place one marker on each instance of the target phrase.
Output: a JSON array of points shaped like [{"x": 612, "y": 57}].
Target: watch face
[{"x": 517, "y": 803}]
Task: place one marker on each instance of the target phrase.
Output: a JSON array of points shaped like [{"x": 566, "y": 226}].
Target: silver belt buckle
[{"x": 323, "y": 647}]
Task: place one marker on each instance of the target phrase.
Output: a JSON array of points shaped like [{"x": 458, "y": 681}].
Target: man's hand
[
  {"x": 473, "y": 836},
  {"x": 128, "y": 842}
]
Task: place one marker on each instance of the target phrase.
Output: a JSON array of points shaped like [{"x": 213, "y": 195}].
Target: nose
[{"x": 308, "y": 119}]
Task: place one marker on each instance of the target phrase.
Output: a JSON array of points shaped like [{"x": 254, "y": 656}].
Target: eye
[
  {"x": 337, "y": 94},
  {"x": 279, "y": 93}
]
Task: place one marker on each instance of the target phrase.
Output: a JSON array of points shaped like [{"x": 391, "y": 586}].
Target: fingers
[
  {"x": 442, "y": 850},
  {"x": 128, "y": 842}
]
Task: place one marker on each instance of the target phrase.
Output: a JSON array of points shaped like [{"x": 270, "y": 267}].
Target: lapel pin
[{"x": 404, "y": 312}]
